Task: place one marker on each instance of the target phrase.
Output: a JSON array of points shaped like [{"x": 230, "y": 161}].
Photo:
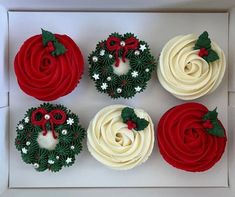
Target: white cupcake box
[{"x": 86, "y": 29}]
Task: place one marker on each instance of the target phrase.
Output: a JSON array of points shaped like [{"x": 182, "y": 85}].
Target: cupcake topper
[
  {"x": 115, "y": 44},
  {"x": 132, "y": 120},
  {"x": 43, "y": 148},
  {"x": 53, "y": 45},
  {"x": 212, "y": 125},
  {"x": 204, "y": 44},
  {"x": 48, "y": 117}
]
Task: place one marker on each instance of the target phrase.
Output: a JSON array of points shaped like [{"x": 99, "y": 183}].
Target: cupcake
[
  {"x": 191, "y": 138},
  {"x": 190, "y": 67},
  {"x": 49, "y": 137},
  {"x": 121, "y": 65},
  {"x": 48, "y": 66},
  {"x": 120, "y": 137}
]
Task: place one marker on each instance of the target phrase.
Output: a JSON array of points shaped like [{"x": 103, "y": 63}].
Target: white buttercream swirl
[
  {"x": 113, "y": 144},
  {"x": 185, "y": 74}
]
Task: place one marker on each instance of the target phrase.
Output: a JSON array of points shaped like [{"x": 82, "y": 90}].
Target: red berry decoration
[
  {"x": 203, "y": 52},
  {"x": 48, "y": 66},
  {"x": 191, "y": 138},
  {"x": 207, "y": 124},
  {"x": 50, "y": 46},
  {"x": 131, "y": 125}
]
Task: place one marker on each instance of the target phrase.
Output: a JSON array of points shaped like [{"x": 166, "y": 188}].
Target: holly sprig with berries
[
  {"x": 52, "y": 43},
  {"x": 203, "y": 43},
  {"x": 132, "y": 120},
  {"x": 212, "y": 124}
]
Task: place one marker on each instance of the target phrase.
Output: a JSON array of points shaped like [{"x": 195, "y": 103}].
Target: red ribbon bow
[
  {"x": 48, "y": 117},
  {"x": 115, "y": 44}
]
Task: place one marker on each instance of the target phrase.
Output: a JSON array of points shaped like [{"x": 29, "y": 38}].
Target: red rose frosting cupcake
[
  {"x": 190, "y": 137},
  {"x": 48, "y": 66}
]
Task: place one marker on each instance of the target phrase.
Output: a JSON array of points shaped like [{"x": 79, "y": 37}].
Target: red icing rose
[
  {"x": 183, "y": 141},
  {"x": 44, "y": 76}
]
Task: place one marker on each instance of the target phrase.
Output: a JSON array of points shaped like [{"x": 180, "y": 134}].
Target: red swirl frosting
[
  {"x": 183, "y": 141},
  {"x": 44, "y": 76}
]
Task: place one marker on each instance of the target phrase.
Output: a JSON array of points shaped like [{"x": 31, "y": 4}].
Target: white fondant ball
[
  {"x": 122, "y": 68},
  {"x": 48, "y": 142}
]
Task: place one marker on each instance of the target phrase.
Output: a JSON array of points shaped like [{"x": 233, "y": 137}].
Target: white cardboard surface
[
  {"x": 4, "y": 149},
  {"x": 232, "y": 51},
  {"x": 121, "y": 5},
  {"x": 86, "y": 29},
  {"x": 3, "y": 57}
]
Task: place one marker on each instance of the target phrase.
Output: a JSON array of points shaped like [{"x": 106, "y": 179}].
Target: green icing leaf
[
  {"x": 141, "y": 124},
  {"x": 212, "y": 56},
  {"x": 211, "y": 115},
  {"x": 203, "y": 41},
  {"x": 217, "y": 129},
  {"x": 59, "y": 49},
  {"x": 129, "y": 114},
  {"x": 47, "y": 37}
]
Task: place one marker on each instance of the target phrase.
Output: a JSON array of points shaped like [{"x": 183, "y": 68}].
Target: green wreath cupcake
[
  {"x": 121, "y": 66},
  {"x": 49, "y": 137}
]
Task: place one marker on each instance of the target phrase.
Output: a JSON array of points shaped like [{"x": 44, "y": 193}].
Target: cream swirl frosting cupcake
[
  {"x": 121, "y": 137},
  {"x": 191, "y": 66}
]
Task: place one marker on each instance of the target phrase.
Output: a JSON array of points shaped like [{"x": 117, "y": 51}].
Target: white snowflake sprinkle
[
  {"x": 138, "y": 88},
  {"x": 142, "y": 47},
  {"x": 70, "y": 121},
  {"x": 134, "y": 74},
  {"x": 50, "y": 161},
  {"x": 26, "y": 120},
  {"x": 21, "y": 127},
  {"x": 68, "y": 160},
  {"x": 96, "y": 76},
  {"x": 24, "y": 150},
  {"x": 104, "y": 86},
  {"x": 102, "y": 52}
]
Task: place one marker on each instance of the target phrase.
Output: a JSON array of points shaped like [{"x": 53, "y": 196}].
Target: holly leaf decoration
[
  {"x": 59, "y": 49},
  {"x": 141, "y": 124},
  {"x": 211, "y": 115},
  {"x": 212, "y": 56},
  {"x": 216, "y": 128},
  {"x": 204, "y": 43},
  {"x": 48, "y": 37},
  {"x": 128, "y": 115}
]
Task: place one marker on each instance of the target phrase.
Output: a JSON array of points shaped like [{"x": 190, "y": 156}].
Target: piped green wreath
[
  {"x": 108, "y": 55},
  {"x": 50, "y": 122}
]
